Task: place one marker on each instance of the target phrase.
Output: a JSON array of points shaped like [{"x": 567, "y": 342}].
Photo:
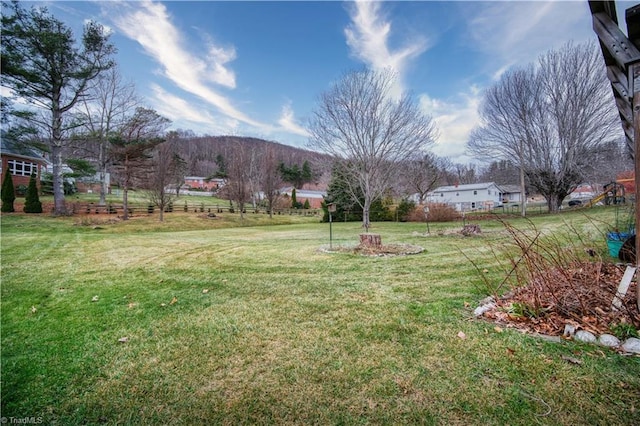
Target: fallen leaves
[
  {"x": 580, "y": 295},
  {"x": 571, "y": 360}
]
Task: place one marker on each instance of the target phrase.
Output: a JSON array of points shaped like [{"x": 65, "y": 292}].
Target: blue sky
[{"x": 257, "y": 68}]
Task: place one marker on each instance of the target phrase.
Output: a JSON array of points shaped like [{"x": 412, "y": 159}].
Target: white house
[
  {"x": 511, "y": 194},
  {"x": 477, "y": 196}
]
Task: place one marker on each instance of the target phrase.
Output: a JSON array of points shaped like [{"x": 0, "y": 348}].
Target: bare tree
[
  {"x": 551, "y": 120},
  {"x": 358, "y": 121},
  {"x": 110, "y": 102},
  {"x": 166, "y": 164},
  {"x": 509, "y": 113},
  {"x": 423, "y": 174},
  {"x": 271, "y": 179},
  {"x": 237, "y": 186},
  {"x": 579, "y": 119},
  {"x": 42, "y": 63}
]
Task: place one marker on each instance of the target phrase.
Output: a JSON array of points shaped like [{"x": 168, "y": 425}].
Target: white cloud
[
  {"x": 516, "y": 33},
  {"x": 288, "y": 122},
  {"x": 150, "y": 25},
  {"x": 368, "y": 37},
  {"x": 455, "y": 119},
  {"x": 182, "y": 112}
]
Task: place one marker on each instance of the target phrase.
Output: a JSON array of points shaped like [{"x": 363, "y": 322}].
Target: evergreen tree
[
  {"x": 8, "y": 193},
  {"x": 43, "y": 64},
  {"x": 32, "y": 202},
  {"x": 294, "y": 200},
  {"x": 306, "y": 205},
  {"x": 306, "y": 174},
  {"x": 338, "y": 193}
]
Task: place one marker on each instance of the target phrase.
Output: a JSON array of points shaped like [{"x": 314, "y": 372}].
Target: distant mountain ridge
[{"x": 201, "y": 152}]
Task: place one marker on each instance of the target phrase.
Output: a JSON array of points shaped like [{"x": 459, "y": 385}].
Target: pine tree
[
  {"x": 8, "y": 194},
  {"x": 294, "y": 199},
  {"x": 32, "y": 202}
]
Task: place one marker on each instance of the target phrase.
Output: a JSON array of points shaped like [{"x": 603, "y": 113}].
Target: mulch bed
[
  {"x": 382, "y": 250},
  {"x": 580, "y": 295}
]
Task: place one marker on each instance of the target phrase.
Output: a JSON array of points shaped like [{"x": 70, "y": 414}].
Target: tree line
[{"x": 547, "y": 126}]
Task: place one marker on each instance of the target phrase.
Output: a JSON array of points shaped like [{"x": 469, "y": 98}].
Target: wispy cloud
[
  {"x": 183, "y": 113},
  {"x": 455, "y": 120},
  {"x": 368, "y": 37},
  {"x": 516, "y": 33},
  {"x": 288, "y": 122},
  {"x": 150, "y": 25}
]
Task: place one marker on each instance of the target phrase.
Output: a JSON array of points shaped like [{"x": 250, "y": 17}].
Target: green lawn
[{"x": 228, "y": 322}]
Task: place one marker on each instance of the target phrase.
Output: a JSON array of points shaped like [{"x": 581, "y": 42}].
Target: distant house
[
  {"x": 21, "y": 162},
  {"x": 477, "y": 196},
  {"x": 314, "y": 197},
  {"x": 511, "y": 194},
  {"x": 584, "y": 190},
  {"x": 202, "y": 183}
]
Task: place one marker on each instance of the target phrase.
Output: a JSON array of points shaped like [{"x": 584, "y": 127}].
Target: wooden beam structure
[{"x": 622, "y": 58}]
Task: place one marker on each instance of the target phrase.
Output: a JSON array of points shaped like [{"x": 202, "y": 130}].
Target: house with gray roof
[{"x": 476, "y": 196}]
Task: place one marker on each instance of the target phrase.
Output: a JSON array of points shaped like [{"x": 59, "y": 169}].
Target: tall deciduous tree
[
  {"x": 111, "y": 101},
  {"x": 238, "y": 167},
  {"x": 165, "y": 166},
  {"x": 42, "y": 63},
  {"x": 271, "y": 180},
  {"x": 359, "y": 121},
  {"x": 510, "y": 114},
  {"x": 551, "y": 120},
  {"x": 423, "y": 174}
]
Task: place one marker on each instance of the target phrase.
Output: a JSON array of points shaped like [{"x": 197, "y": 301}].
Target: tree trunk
[
  {"x": 58, "y": 181},
  {"x": 366, "y": 224},
  {"x": 125, "y": 190},
  {"x": 103, "y": 174},
  {"x": 370, "y": 240},
  {"x": 523, "y": 195}
]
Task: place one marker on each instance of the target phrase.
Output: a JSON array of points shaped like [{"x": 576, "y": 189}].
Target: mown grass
[{"x": 234, "y": 324}]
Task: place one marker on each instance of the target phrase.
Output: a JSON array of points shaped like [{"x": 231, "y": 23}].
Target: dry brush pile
[{"x": 555, "y": 280}]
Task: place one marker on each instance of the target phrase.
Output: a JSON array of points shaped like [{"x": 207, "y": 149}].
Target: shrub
[
  {"x": 404, "y": 210},
  {"x": 439, "y": 212},
  {"x": 32, "y": 202},
  {"x": 306, "y": 206},
  {"x": 8, "y": 193},
  {"x": 380, "y": 211},
  {"x": 21, "y": 190}
]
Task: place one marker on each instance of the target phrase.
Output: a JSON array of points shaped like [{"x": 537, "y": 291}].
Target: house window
[
  {"x": 489, "y": 191},
  {"x": 457, "y": 194},
  {"x": 22, "y": 168},
  {"x": 475, "y": 192},
  {"x": 473, "y": 205},
  {"x": 441, "y": 194}
]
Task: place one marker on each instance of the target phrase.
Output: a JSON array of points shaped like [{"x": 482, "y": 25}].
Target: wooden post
[{"x": 636, "y": 138}]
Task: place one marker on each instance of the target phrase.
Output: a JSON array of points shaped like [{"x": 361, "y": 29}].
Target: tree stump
[
  {"x": 370, "y": 240},
  {"x": 470, "y": 229}
]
